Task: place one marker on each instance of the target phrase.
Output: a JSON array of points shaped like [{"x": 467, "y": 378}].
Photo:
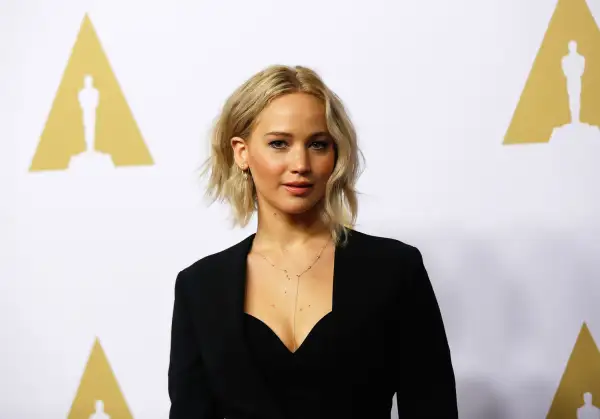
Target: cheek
[
  {"x": 324, "y": 166},
  {"x": 265, "y": 169}
]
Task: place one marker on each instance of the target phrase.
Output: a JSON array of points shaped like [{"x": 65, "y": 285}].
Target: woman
[{"x": 306, "y": 318}]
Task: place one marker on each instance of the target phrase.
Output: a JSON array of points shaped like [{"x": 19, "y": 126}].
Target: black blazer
[{"x": 389, "y": 337}]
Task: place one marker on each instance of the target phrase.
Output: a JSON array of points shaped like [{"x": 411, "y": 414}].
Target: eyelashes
[
  {"x": 277, "y": 144},
  {"x": 317, "y": 145}
]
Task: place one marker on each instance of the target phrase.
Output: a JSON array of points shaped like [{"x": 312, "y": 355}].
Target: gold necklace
[{"x": 285, "y": 271}]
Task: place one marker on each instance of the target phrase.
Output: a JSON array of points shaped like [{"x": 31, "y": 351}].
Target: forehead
[{"x": 293, "y": 111}]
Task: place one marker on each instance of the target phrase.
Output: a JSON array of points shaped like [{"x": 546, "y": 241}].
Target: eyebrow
[{"x": 287, "y": 134}]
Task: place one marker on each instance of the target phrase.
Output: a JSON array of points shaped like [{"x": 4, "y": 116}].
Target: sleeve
[
  {"x": 429, "y": 390},
  {"x": 188, "y": 390}
]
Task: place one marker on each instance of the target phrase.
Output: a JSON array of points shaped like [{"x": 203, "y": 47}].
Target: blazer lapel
[{"x": 251, "y": 393}]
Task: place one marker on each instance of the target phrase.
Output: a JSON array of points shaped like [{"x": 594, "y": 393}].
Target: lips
[{"x": 298, "y": 189}]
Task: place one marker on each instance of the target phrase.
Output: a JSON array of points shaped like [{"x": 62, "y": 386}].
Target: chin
[{"x": 296, "y": 208}]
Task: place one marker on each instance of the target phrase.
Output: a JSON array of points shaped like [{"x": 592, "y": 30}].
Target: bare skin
[{"x": 289, "y": 143}]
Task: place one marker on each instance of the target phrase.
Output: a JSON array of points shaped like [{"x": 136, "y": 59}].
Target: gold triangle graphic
[
  {"x": 581, "y": 376},
  {"x": 116, "y": 131},
  {"x": 99, "y": 395},
  {"x": 544, "y": 102}
]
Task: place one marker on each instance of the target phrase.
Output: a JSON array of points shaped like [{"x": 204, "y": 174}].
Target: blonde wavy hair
[{"x": 237, "y": 119}]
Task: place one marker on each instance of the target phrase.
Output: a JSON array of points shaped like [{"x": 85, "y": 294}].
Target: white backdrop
[{"x": 509, "y": 232}]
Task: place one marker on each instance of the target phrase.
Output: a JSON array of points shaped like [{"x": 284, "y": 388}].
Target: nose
[{"x": 300, "y": 160}]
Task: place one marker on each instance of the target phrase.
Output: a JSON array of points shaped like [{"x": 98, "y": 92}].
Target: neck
[{"x": 282, "y": 232}]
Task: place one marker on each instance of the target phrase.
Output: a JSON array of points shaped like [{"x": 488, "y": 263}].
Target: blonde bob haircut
[{"x": 237, "y": 119}]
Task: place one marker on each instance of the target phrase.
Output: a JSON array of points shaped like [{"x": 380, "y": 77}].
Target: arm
[
  {"x": 429, "y": 390},
  {"x": 188, "y": 390}
]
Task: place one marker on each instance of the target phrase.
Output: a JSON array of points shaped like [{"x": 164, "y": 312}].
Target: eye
[
  {"x": 277, "y": 144},
  {"x": 320, "y": 145}
]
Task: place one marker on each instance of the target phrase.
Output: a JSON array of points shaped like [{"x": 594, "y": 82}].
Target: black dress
[{"x": 306, "y": 383}]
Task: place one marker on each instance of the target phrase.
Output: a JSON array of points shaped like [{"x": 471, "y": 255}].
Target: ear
[{"x": 240, "y": 152}]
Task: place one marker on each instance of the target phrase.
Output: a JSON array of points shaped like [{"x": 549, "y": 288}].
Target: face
[{"x": 289, "y": 153}]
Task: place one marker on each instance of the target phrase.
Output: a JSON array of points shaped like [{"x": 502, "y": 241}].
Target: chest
[
  {"x": 292, "y": 300},
  {"x": 364, "y": 304},
  {"x": 355, "y": 343}
]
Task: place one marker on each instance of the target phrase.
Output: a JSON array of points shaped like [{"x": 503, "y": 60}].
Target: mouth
[{"x": 298, "y": 189}]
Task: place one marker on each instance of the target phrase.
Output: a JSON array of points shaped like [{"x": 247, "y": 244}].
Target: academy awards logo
[
  {"x": 578, "y": 394},
  {"x": 99, "y": 395},
  {"x": 90, "y": 124},
  {"x": 561, "y": 99}
]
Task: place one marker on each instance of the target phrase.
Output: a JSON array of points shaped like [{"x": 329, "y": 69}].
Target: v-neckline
[
  {"x": 336, "y": 256},
  {"x": 320, "y": 323}
]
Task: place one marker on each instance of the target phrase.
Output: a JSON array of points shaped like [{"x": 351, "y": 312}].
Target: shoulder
[
  {"x": 210, "y": 266},
  {"x": 379, "y": 247},
  {"x": 392, "y": 264}
]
